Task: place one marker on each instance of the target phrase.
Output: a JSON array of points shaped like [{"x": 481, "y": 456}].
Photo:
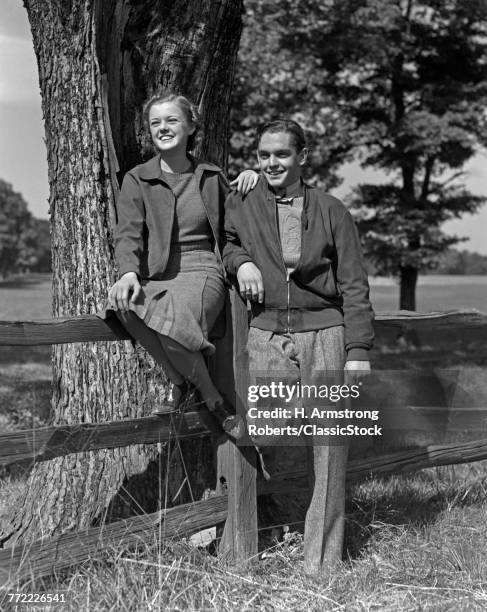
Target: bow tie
[{"x": 284, "y": 200}]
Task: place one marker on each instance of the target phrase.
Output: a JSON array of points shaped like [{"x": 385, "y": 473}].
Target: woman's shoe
[
  {"x": 232, "y": 424},
  {"x": 172, "y": 404}
]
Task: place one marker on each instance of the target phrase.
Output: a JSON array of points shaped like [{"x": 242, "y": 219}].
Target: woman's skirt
[{"x": 185, "y": 303}]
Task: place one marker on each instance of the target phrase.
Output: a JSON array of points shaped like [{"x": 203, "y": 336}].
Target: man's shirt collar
[{"x": 295, "y": 190}]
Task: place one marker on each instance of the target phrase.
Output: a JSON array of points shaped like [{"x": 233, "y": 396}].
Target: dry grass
[
  {"x": 25, "y": 371},
  {"x": 25, "y": 395},
  {"x": 24, "y": 298},
  {"x": 413, "y": 543}
]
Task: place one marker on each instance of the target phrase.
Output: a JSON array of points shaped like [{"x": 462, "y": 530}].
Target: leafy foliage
[
  {"x": 461, "y": 262},
  {"x": 24, "y": 240},
  {"x": 396, "y": 234},
  {"x": 400, "y": 85},
  {"x": 275, "y": 81}
]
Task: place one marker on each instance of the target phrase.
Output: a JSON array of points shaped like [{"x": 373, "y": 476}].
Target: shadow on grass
[
  {"x": 408, "y": 501},
  {"x": 14, "y": 355},
  {"x": 25, "y": 393},
  {"x": 24, "y": 282},
  {"x": 414, "y": 501}
]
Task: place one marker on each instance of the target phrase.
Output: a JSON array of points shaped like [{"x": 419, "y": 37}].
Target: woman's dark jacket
[{"x": 145, "y": 215}]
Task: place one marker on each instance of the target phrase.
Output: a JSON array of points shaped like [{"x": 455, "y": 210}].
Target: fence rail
[
  {"x": 47, "y": 443},
  {"x": 237, "y": 508},
  {"x": 42, "y": 557},
  {"x": 90, "y": 328}
]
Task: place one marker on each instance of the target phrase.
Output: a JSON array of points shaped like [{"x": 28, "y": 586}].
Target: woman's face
[{"x": 169, "y": 127}]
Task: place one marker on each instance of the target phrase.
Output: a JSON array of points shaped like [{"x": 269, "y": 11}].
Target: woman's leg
[
  {"x": 149, "y": 339},
  {"x": 180, "y": 364},
  {"x": 193, "y": 367}
]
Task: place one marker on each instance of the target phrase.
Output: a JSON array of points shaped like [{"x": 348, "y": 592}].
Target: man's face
[{"x": 278, "y": 159}]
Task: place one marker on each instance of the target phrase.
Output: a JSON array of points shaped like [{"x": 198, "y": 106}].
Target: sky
[{"x": 23, "y": 154}]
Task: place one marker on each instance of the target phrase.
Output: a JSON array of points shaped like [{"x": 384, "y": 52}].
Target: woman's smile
[{"x": 169, "y": 127}]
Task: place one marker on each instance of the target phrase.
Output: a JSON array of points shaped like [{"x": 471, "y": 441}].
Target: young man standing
[{"x": 297, "y": 257}]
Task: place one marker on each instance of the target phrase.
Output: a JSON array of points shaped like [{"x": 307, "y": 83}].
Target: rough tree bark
[{"x": 98, "y": 60}]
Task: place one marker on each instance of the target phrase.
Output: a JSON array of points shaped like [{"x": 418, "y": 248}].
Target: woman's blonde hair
[{"x": 190, "y": 112}]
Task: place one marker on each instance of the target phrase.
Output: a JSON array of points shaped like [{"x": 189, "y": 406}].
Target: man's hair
[
  {"x": 189, "y": 110},
  {"x": 287, "y": 126}
]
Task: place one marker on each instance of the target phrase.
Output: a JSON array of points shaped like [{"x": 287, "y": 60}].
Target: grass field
[
  {"x": 25, "y": 372},
  {"x": 434, "y": 292},
  {"x": 30, "y": 298},
  {"x": 414, "y": 542}
]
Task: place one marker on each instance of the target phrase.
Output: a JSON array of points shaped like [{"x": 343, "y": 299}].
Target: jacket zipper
[
  {"x": 286, "y": 271},
  {"x": 305, "y": 196},
  {"x": 288, "y": 280}
]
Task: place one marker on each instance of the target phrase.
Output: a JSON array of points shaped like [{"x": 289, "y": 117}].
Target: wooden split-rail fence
[{"x": 237, "y": 506}]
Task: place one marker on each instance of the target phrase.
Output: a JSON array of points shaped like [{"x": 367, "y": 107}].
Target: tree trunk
[
  {"x": 407, "y": 297},
  {"x": 98, "y": 61}
]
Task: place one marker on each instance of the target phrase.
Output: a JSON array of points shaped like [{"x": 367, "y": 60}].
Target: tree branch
[
  {"x": 408, "y": 10},
  {"x": 448, "y": 180},
  {"x": 430, "y": 162}
]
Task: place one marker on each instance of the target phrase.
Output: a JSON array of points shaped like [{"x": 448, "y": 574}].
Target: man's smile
[{"x": 279, "y": 160}]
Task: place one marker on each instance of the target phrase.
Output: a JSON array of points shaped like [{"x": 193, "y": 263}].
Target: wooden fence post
[
  {"x": 229, "y": 368},
  {"x": 236, "y": 465}
]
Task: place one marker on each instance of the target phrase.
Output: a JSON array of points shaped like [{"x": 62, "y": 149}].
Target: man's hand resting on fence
[
  {"x": 119, "y": 294},
  {"x": 356, "y": 371},
  {"x": 250, "y": 282}
]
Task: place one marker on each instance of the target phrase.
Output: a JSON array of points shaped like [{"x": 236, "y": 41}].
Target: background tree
[
  {"x": 15, "y": 219},
  {"x": 97, "y": 62},
  {"x": 462, "y": 262},
  {"x": 34, "y": 247},
  {"x": 276, "y": 80},
  {"x": 24, "y": 240},
  {"x": 41, "y": 243},
  {"x": 408, "y": 79}
]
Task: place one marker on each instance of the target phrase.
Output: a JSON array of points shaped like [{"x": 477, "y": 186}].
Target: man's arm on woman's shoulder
[{"x": 245, "y": 181}]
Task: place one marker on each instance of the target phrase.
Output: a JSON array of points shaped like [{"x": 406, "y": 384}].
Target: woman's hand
[
  {"x": 118, "y": 296},
  {"x": 245, "y": 181}
]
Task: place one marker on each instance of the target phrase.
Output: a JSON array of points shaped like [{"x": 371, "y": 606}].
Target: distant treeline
[
  {"x": 450, "y": 262},
  {"x": 25, "y": 242},
  {"x": 460, "y": 262}
]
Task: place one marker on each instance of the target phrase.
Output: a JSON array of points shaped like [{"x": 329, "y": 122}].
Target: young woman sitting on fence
[{"x": 171, "y": 288}]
